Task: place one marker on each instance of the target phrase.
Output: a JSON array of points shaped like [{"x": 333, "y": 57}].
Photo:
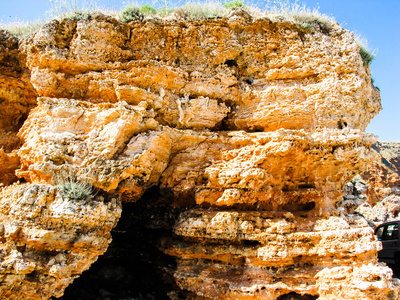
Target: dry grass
[
  {"x": 286, "y": 10},
  {"x": 60, "y": 9},
  {"x": 20, "y": 28},
  {"x": 198, "y": 10},
  {"x": 366, "y": 53}
]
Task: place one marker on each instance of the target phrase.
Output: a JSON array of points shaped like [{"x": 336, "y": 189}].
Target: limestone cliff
[
  {"x": 249, "y": 128},
  {"x": 390, "y": 154},
  {"x": 48, "y": 240},
  {"x": 383, "y": 173},
  {"x": 17, "y": 97},
  {"x": 383, "y": 178}
]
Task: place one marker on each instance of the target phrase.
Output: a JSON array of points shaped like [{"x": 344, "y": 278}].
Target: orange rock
[
  {"x": 272, "y": 75},
  {"x": 9, "y": 162},
  {"x": 17, "y": 95},
  {"x": 47, "y": 239},
  {"x": 251, "y": 126}
]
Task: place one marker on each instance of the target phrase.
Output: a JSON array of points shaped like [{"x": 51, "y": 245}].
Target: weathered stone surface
[
  {"x": 383, "y": 180},
  {"x": 17, "y": 95},
  {"x": 122, "y": 148},
  {"x": 9, "y": 162},
  {"x": 390, "y": 154},
  {"x": 382, "y": 175},
  {"x": 250, "y": 128},
  {"x": 103, "y": 144},
  {"x": 272, "y": 254},
  {"x": 48, "y": 240},
  {"x": 287, "y": 170},
  {"x": 386, "y": 210},
  {"x": 17, "y": 98},
  {"x": 267, "y": 75}
]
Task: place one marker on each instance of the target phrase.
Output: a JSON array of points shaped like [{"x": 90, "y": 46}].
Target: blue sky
[{"x": 376, "y": 20}]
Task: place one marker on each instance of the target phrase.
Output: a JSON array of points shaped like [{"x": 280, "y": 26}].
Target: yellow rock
[{"x": 251, "y": 126}]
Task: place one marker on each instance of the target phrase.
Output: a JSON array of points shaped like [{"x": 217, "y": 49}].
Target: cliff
[
  {"x": 230, "y": 140},
  {"x": 383, "y": 179},
  {"x": 390, "y": 154}
]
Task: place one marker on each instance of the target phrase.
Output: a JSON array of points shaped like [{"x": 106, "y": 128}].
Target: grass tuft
[
  {"x": 77, "y": 9},
  {"x": 69, "y": 187},
  {"x": 200, "y": 10},
  {"x": 22, "y": 29},
  {"x": 234, "y": 4},
  {"x": 131, "y": 13},
  {"x": 366, "y": 53},
  {"x": 307, "y": 18},
  {"x": 80, "y": 16},
  {"x": 148, "y": 9}
]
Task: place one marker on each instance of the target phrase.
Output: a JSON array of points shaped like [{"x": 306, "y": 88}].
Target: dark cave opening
[
  {"x": 231, "y": 63},
  {"x": 293, "y": 206},
  {"x": 133, "y": 267},
  {"x": 295, "y": 296}
]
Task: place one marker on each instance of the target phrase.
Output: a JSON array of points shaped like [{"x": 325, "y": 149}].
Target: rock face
[
  {"x": 17, "y": 95},
  {"x": 258, "y": 74},
  {"x": 48, "y": 240},
  {"x": 390, "y": 153},
  {"x": 383, "y": 174},
  {"x": 249, "y": 128},
  {"x": 383, "y": 178},
  {"x": 17, "y": 98}
]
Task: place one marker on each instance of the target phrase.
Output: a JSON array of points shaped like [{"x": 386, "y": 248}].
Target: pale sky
[{"x": 376, "y": 20}]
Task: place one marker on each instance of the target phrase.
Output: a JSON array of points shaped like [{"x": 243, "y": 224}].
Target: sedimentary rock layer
[
  {"x": 262, "y": 75},
  {"x": 122, "y": 148},
  {"x": 17, "y": 95},
  {"x": 48, "y": 240},
  {"x": 250, "y": 128},
  {"x": 265, "y": 255},
  {"x": 17, "y": 98}
]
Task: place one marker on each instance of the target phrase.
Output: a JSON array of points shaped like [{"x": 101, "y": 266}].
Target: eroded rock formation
[
  {"x": 383, "y": 173},
  {"x": 17, "y": 98},
  {"x": 383, "y": 179},
  {"x": 249, "y": 128},
  {"x": 48, "y": 240}
]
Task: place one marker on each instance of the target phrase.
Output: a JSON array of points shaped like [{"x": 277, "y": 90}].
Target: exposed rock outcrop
[
  {"x": 383, "y": 173},
  {"x": 17, "y": 95},
  {"x": 249, "y": 128},
  {"x": 17, "y": 98},
  {"x": 268, "y": 75},
  {"x": 383, "y": 179},
  {"x": 48, "y": 240},
  {"x": 390, "y": 153}
]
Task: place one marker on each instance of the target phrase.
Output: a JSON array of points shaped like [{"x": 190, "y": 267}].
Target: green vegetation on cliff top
[{"x": 307, "y": 18}]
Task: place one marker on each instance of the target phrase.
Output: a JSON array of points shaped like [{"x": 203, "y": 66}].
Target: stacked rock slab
[
  {"x": 17, "y": 97},
  {"x": 252, "y": 125},
  {"x": 48, "y": 240}
]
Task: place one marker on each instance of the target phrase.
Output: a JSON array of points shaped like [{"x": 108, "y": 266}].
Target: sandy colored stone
[
  {"x": 250, "y": 128},
  {"x": 122, "y": 148},
  {"x": 47, "y": 240},
  {"x": 382, "y": 176},
  {"x": 390, "y": 154},
  {"x": 271, "y": 254},
  {"x": 17, "y": 95},
  {"x": 103, "y": 144},
  {"x": 9, "y": 162},
  {"x": 272, "y": 75}
]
